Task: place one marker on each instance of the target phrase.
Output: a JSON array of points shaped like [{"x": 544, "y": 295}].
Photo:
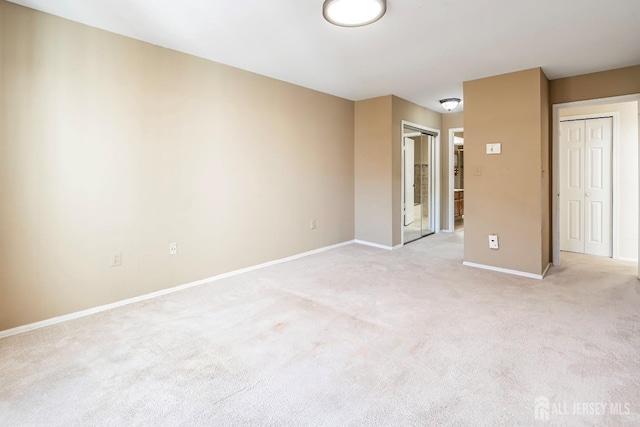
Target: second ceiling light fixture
[{"x": 353, "y": 13}]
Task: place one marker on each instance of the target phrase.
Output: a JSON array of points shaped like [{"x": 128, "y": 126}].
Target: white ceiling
[{"x": 421, "y": 50}]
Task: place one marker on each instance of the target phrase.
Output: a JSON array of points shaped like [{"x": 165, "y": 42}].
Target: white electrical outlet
[
  {"x": 493, "y": 241},
  {"x": 173, "y": 248},
  {"x": 312, "y": 224},
  {"x": 116, "y": 259}
]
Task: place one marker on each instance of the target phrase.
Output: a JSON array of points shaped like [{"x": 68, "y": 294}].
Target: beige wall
[
  {"x": 408, "y": 111},
  {"x": 449, "y": 121},
  {"x": 110, "y": 144},
  {"x": 625, "y": 176},
  {"x": 378, "y": 165},
  {"x": 504, "y": 193},
  {"x": 621, "y": 81},
  {"x": 373, "y": 170}
]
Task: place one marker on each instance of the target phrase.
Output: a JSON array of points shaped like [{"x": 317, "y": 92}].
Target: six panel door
[{"x": 585, "y": 186}]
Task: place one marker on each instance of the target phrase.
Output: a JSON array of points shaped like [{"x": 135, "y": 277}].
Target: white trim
[
  {"x": 436, "y": 177},
  {"x": 452, "y": 218},
  {"x": 555, "y": 190},
  {"x": 627, "y": 259},
  {"x": 508, "y": 271},
  {"x": 402, "y": 206},
  {"x": 94, "y": 310},
  {"x": 376, "y": 245},
  {"x": 437, "y": 201},
  {"x": 555, "y": 147}
]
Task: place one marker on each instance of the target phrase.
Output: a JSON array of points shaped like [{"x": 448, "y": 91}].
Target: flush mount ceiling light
[
  {"x": 353, "y": 13},
  {"x": 450, "y": 103}
]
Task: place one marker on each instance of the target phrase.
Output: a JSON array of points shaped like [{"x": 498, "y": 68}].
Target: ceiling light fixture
[
  {"x": 353, "y": 13},
  {"x": 450, "y": 103}
]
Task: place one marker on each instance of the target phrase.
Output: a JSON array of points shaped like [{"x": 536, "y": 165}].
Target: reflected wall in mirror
[{"x": 418, "y": 153}]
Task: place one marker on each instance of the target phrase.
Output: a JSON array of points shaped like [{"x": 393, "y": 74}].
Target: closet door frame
[{"x": 555, "y": 151}]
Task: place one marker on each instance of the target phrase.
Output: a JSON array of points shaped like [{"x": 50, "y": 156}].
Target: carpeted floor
[{"x": 352, "y": 336}]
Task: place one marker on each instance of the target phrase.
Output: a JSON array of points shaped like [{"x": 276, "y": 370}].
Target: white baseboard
[
  {"x": 508, "y": 271},
  {"x": 626, "y": 259},
  {"x": 87, "y": 312},
  {"x": 376, "y": 245}
]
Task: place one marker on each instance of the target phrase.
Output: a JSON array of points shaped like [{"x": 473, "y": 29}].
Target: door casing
[
  {"x": 436, "y": 178},
  {"x": 555, "y": 147},
  {"x": 452, "y": 220}
]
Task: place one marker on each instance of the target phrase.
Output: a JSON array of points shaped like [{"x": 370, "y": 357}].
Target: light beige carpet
[{"x": 352, "y": 336}]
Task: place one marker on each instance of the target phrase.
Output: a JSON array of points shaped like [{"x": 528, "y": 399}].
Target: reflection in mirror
[{"x": 418, "y": 149}]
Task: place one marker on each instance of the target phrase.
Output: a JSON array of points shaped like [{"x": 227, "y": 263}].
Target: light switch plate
[{"x": 495, "y": 148}]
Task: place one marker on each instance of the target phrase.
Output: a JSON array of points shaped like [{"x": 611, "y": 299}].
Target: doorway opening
[
  {"x": 595, "y": 178},
  {"x": 419, "y": 182},
  {"x": 456, "y": 180}
]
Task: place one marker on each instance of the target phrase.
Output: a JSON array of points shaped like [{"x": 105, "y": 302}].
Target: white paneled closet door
[{"x": 586, "y": 186}]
